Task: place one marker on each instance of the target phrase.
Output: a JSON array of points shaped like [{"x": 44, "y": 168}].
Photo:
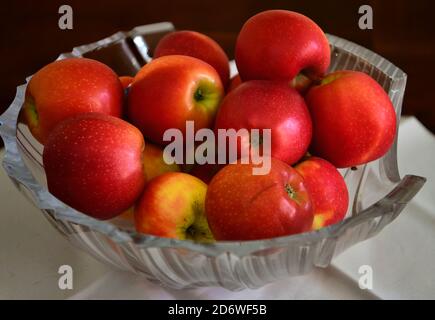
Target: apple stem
[
  {"x": 199, "y": 96},
  {"x": 190, "y": 232},
  {"x": 291, "y": 193}
]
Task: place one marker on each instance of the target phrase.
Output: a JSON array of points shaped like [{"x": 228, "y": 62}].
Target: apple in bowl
[
  {"x": 93, "y": 163},
  {"x": 243, "y": 206},
  {"x": 171, "y": 90},
  {"x": 172, "y": 206},
  {"x": 327, "y": 189},
  {"x": 354, "y": 121},
  {"x": 154, "y": 163},
  {"x": 197, "y": 45},
  {"x": 280, "y": 44},
  {"x": 261, "y": 104},
  {"x": 68, "y": 87}
]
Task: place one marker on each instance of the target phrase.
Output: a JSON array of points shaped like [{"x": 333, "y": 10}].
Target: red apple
[
  {"x": 234, "y": 82},
  {"x": 354, "y": 121},
  {"x": 260, "y": 104},
  {"x": 172, "y": 206},
  {"x": 243, "y": 206},
  {"x": 279, "y": 44},
  {"x": 327, "y": 190},
  {"x": 93, "y": 163},
  {"x": 154, "y": 164},
  {"x": 171, "y": 90},
  {"x": 301, "y": 83},
  {"x": 197, "y": 45},
  {"x": 125, "y": 81},
  {"x": 68, "y": 87}
]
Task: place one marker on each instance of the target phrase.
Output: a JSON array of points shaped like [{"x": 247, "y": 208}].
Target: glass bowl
[{"x": 377, "y": 192}]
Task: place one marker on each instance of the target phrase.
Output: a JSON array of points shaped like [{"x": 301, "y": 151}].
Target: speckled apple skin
[
  {"x": 327, "y": 189},
  {"x": 125, "y": 81},
  {"x": 278, "y": 44},
  {"x": 68, "y": 87},
  {"x": 354, "y": 121},
  {"x": 93, "y": 163},
  {"x": 271, "y": 105},
  {"x": 197, "y": 45},
  {"x": 243, "y": 206},
  {"x": 170, "y": 204},
  {"x": 154, "y": 163},
  {"x": 234, "y": 82}
]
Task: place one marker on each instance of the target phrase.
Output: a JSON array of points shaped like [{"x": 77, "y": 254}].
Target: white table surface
[{"x": 402, "y": 256}]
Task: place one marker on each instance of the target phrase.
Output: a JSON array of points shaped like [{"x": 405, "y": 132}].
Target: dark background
[{"x": 404, "y": 33}]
